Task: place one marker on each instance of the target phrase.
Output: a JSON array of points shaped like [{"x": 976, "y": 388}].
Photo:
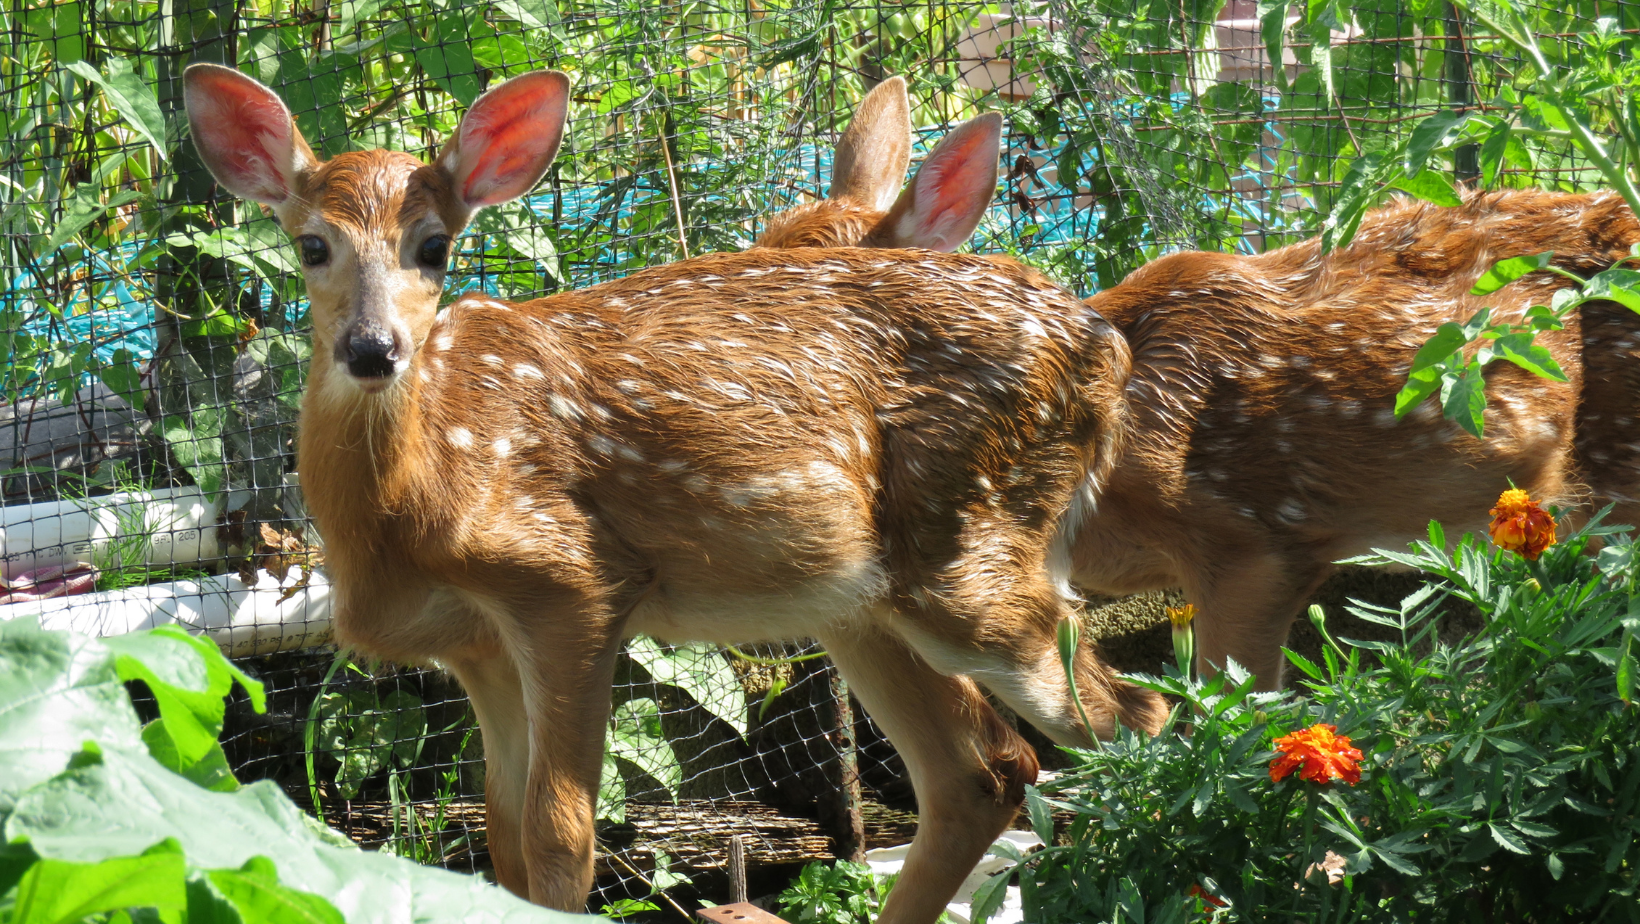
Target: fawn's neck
[{"x": 363, "y": 458}]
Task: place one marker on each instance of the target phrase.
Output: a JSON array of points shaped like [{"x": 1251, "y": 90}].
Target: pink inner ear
[
  {"x": 954, "y": 186},
  {"x": 246, "y": 134},
  {"x": 510, "y": 137}
]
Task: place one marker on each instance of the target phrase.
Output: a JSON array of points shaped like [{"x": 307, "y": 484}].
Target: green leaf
[
  {"x": 60, "y": 892},
  {"x": 260, "y": 246},
  {"x": 364, "y": 733},
  {"x": 533, "y": 14},
  {"x": 217, "y": 323},
  {"x": 1420, "y": 385},
  {"x": 86, "y": 206},
  {"x": 1508, "y": 840},
  {"x": 1396, "y": 861},
  {"x": 635, "y": 736},
  {"x": 113, "y": 807},
  {"x": 1040, "y": 814},
  {"x": 611, "y": 804},
  {"x": 1449, "y": 338},
  {"x": 1626, "y": 669},
  {"x": 1533, "y": 357},
  {"x": 256, "y": 894},
  {"x": 1506, "y": 271},
  {"x": 210, "y": 771},
  {"x": 517, "y": 226},
  {"x": 188, "y": 677},
  {"x": 1533, "y": 829},
  {"x": 131, "y": 95},
  {"x": 448, "y": 57},
  {"x": 1544, "y": 113},
  {"x": 988, "y": 898},
  {"x": 776, "y": 687},
  {"x": 1430, "y": 187},
  {"x": 352, "y": 12},
  {"x": 123, "y": 376},
  {"x": 1618, "y": 285},
  {"x": 1463, "y": 399},
  {"x": 1302, "y": 663},
  {"x": 1492, "y": 152},
  {"x": 198, "y": 447},
  {"x": 1437, "y": 131},
  {"x": 1272, "y": 27},
  {"x": 57, "y": 691},
  {"x": 701, "y": 670},
  {"x": 1359, "y": 189}
]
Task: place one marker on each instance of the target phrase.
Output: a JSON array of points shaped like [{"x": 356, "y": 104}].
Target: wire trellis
[{"x": 152, "y": 331}]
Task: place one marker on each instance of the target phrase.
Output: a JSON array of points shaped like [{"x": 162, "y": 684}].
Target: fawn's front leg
[
  {"x": 497, "y": 694},
  {"x": 566, "y": 664}
]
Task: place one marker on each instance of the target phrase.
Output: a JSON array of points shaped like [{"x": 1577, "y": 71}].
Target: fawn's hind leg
[
  {"x": 968, "y": 767},
  {"x": 1247, "y": 605},
  {"x": 1002, "y": 629}
]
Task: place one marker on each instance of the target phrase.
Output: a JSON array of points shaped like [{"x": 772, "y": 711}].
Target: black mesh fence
[{"x": 152, "y": 330}]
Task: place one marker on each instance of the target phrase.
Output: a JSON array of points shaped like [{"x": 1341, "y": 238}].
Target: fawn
[
  {"x": 1264, "y": 445},
  {"x": 885, "y": 450}
]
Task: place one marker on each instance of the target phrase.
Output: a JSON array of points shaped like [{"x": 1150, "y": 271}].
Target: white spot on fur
[
  {"x": 563, "y": 407},
  {"x": 460, "y": 437}
]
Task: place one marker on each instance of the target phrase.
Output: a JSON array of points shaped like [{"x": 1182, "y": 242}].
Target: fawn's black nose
[{"x": 371, "y": 351}]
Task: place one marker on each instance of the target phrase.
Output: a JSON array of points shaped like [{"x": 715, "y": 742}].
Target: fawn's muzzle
[{"x": 370, "y": 350}]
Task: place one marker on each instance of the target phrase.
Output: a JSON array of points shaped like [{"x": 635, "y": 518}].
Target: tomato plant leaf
[
  {"x": 1506, "y": 271},
  {"x": 1430, "y": 187}
]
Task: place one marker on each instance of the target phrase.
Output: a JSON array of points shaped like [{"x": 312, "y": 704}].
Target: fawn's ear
[
  {"x": 507, "y": 139},
  {"x": 244, "y": 134},
  {"x": 872, "y": 155},
  {"x": 951, "y": 191}
]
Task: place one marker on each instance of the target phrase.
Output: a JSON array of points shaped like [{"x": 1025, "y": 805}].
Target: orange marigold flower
[
  {"x": 1318, "y": 754},
  {"x": 1181, "y": 616},
  {"x": 1520, "y": 525},
  {"x": 1213, "y": 901}
]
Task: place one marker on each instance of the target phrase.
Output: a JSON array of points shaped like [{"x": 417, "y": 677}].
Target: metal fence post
[{"x": 1460, "y": 91}]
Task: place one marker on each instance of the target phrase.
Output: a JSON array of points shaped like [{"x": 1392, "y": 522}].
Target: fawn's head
[
  {"x": 373, "y": 228},
  {"x": 865, "y": 207}
]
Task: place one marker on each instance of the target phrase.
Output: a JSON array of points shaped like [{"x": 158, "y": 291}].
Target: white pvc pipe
[
  {"x": 243, "y": 620},
  {"x": 179, "y": 522}
]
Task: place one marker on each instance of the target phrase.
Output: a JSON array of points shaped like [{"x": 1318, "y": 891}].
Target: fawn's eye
[
  {"x": 314, "y": 250},
  {"x": 434, "y": 251}
]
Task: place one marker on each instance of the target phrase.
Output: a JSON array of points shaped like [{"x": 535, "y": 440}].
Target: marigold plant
[
  {"x": 1520, "y": 525},
  {"x": 1319, "y": 754},
  {"x": 1495, "y": 760}
]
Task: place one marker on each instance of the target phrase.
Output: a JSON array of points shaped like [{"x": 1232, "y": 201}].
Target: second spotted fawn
[{"x": 1264, "y": 445}]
